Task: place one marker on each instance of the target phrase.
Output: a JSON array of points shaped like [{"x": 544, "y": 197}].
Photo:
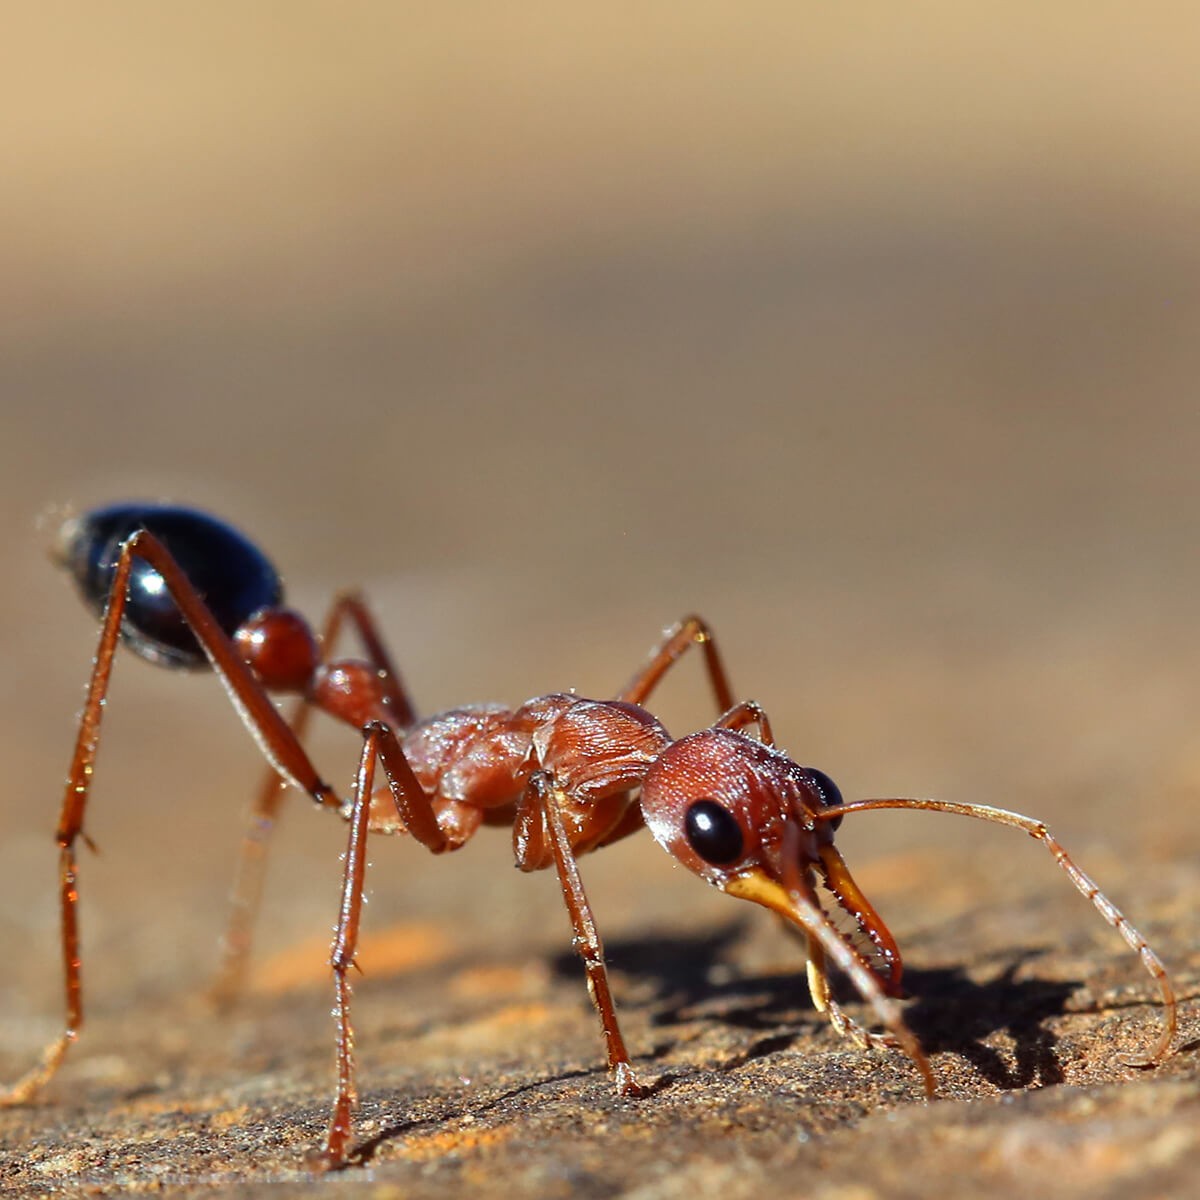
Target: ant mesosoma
[{"x": 569, "y": 775}]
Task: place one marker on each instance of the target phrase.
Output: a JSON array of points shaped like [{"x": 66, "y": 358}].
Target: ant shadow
[{"x": 945, "y": 1009}]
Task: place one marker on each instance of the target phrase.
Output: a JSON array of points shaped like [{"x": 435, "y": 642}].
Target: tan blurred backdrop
[{"x": 871, "y": 337}]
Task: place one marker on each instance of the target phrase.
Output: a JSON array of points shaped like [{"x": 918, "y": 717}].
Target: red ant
[{"x": 569, "y": 775}]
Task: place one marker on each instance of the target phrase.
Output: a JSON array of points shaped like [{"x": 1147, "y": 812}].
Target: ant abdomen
[{"x": 230, "y": 573}]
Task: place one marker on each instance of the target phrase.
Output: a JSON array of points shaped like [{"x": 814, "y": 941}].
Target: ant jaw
[
  {"x": 839, "y": 881},
  {"x": 757, "y": 885},
  {"x": 792, "y": 898}
]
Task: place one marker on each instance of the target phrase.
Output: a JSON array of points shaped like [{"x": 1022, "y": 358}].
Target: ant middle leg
[
  {"x": 539, "y": 820},
  {"x": 246, "y": 894},
  {"x": 415, "y": 810}
]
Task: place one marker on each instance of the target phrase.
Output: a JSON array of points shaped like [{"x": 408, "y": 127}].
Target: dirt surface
[
  {"x": 873, "y": 344},
  {"x": 481, "y": 1072}
]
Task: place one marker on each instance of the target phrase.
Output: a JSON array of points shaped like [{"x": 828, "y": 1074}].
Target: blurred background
[{"x": 871, "y": 337}]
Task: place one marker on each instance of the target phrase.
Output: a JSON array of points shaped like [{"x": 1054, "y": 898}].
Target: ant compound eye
[
  {"x": 829, "y": 792},
  {"x": 713, "y": 832}
]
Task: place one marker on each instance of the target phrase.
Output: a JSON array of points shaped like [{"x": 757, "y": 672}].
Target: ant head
[
  {"x": 720, "y": 802},
  {"x": 746, "y": 818},
  {"x": 232, "y": 575}
]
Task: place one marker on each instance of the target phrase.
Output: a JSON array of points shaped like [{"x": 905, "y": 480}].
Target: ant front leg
[
  {"x": 539, "y": 819},
  {"x": 248, "y": 878},
  {"x": 415, "y": 809},
  {"x": 748, "y": 712},
  {"x": 822, "y": 997},
  {"x": 691, "y": 631},
  {"x": 269, "y": 729}
]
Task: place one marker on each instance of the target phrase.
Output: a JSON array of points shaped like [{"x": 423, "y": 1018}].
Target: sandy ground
[{"x": 873, "y": 340}]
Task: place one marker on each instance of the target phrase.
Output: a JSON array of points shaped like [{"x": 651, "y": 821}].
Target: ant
[{"x": 569, "y": 775}]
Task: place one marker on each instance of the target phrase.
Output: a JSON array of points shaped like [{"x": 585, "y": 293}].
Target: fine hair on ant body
[{"x": 569, "y": 775}]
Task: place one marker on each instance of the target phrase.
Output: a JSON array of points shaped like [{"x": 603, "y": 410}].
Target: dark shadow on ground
[{"x": 947, "y": 1010}]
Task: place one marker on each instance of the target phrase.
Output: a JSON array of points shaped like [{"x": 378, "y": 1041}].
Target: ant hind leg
[
  {"x": 258, "y": 713},
  {"x": 246, "y": 894}
]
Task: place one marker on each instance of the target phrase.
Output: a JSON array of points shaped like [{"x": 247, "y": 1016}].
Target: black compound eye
[
  {"x": 713, "y": 832},
  {"x": 830, "y": 793}
]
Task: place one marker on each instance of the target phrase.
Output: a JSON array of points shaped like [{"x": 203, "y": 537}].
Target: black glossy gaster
[{"x": 232, "y": 575}]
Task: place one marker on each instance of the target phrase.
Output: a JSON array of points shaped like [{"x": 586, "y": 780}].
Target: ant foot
[
  {"x": 627, "y": 1082},
  {"x": 325, "y": 1160}
]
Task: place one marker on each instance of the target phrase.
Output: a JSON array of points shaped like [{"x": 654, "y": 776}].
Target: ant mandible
[{"x": 569, "y": 775}]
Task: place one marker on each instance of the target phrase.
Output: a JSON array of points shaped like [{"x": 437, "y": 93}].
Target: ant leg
[
  {"x": 542, "y": 799},
  {"x": 691, "y": 631},
  {"x": 341, "y": 958},
  {"x": 1083, "y": 882},
  {"x": 247, "y": 889},
  {"x": 246, "y": 893},
  {"x": 259, "y": 715},
  {"x": 748, "y": 712},
  {"x": 823, "y": 1002},
  {"x": 415, "y": 810},
  {"x": 351, "y": 606}
]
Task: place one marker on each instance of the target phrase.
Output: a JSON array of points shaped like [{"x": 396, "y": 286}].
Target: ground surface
[
  {"x": 481, "y": 1068},
  {"x": 874, "y": 344}
]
